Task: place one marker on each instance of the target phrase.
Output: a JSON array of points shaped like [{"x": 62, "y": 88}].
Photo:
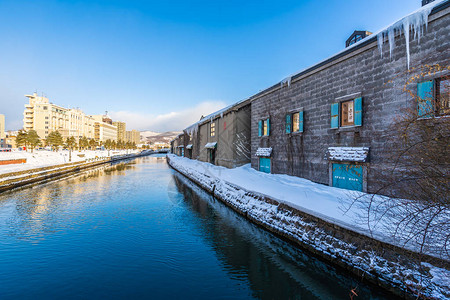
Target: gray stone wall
[
  {"x": 365, "y": 72},
  {"x": 232, "y": 135}
]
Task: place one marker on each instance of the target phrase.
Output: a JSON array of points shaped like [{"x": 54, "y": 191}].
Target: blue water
[{"x": 140, "y": 230}]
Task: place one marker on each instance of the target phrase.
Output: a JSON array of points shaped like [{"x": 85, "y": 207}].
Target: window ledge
[
  {"x": 295, "y": 133},
  {"x": 347, "y": 129}
]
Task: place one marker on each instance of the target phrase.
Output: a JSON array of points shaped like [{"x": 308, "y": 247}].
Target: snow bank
[
  {"x": 44, "y": 158},
  {"x": 331, "y": 204}
]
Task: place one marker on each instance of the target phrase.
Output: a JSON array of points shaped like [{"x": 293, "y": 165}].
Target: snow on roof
[
  {"x": 180, "y": 146},
  {"x": 264, "y": 152},
  {"x": 211, "y": 145},
  {"x": 358, "y": 154},
  {"x": 189, "y": 146}
]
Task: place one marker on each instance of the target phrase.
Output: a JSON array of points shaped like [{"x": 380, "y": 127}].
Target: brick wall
[{"x": 362, "y": 71}]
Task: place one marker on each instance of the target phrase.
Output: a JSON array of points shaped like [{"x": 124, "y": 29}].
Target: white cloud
[{"x": 172, "y": 121}]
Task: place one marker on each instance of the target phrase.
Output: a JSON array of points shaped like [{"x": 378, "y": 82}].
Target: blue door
[
  {"x": 264, "y": 164},
  {"x": 348, "y": 176},
  {"x": 182, "y": 152}
]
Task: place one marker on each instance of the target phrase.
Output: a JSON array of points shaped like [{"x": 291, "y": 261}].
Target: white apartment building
[
  {"x": 104, "y": 128},
  {"x": 44, "y": 117}
]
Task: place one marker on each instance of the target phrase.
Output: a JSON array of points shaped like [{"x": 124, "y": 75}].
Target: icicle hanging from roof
[{"x": 415, "y": 21}]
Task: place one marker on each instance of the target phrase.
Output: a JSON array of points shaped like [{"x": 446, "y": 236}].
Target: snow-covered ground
[
  {"x": 45, "y": 158},
  {"x": 331, "y": 204}
]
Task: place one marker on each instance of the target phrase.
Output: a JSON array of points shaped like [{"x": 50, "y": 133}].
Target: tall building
[
  {"x": 104, "y": 128},
  {"x": 2, "y": 126},
  {"x": 133, "y": 136},
  {"x": 121, "y": 128},
  {"x": 44, "y": 117}
]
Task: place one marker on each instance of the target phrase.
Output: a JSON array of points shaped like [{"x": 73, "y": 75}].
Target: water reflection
[
  {"x": 140, "y": 230},
  {"x": 36, "y": 208},
  {"x": 274, "y": 268}
]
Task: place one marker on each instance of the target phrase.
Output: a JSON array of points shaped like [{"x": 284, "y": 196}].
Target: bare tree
[{"x": 415, "y": 176}]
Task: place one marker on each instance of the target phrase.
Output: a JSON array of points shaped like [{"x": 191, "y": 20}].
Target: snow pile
[
  {"x": 189, "y": 146},
  {"x": 358, "y": 154},
  {"x": 286, "y": 81},
  {"x": 237, "y": 188},
  {"x": 264, "y": 152}
]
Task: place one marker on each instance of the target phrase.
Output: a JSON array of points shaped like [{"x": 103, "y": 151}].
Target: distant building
[
  {"x": 104, "y": 128},
  {"x": 133, "y": 136},
  {"x": 2, "y": 126},
  {"x": 121, "y": 129},
  {"x": 44, "y": 117}
]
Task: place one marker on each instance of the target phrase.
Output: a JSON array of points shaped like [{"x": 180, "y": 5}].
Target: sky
[{"x": 160, "y": 65}]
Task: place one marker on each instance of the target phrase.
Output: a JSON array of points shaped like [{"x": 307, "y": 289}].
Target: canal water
[{"x": 140, "y": 230}]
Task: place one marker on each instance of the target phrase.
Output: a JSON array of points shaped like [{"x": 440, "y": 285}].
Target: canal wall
[
  {"x": 14, "y": 180},
  {"x": 402, "y": 272}
]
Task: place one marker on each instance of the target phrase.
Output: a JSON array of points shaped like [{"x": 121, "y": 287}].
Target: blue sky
[{"x": 160, "y": 65}]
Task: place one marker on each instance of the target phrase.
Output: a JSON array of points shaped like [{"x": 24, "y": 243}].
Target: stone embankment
[
  {"x": 402, "y": 272},
  {"x": 13, "y": 180}
]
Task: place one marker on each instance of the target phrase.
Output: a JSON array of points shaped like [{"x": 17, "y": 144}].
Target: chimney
[{"x": 425, "y": 2}]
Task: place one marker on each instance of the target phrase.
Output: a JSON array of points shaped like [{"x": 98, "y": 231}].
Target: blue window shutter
[
  {"x": 335, "y": 115},
  {"x": 288, "y": 123},
  {"x": 300, "y": 121},
  {"x": 358, "y": 111},
  {"x": 425, "y": 98},
  {"x": 260, "y": 128},
  {"x": 268, "y": 126}
]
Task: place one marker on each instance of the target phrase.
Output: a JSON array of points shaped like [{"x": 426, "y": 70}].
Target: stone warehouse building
[
  {"x": 222, "y": 138},
  {"x": 328, "y": 123}
]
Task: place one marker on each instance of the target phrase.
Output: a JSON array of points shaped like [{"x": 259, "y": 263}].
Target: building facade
[
  {"x": 329, "y": 123},
  {"x": 121, "y": 130},
  {"x": 104, "y": 128},
  {"x": 44, "y": 117},
  {"x": 222, "y": 138},
  {"x": 133, "y": 136},
  {"x": 2, "y": 126}
]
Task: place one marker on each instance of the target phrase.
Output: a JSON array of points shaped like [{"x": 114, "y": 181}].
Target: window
[
  {"x": 45, "y": 107},
  {"x": 264, "y": 127},
  {"x": 346, "y": 113},
  {"x": 443, "y": 96},
  {"x": 46, "y": 118},
  {"x": 433, "y": 97},
  {"x": 294, "y": 122},
  {"x": 213, "y": 128},
  {"x": 46, "y": 122}
]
